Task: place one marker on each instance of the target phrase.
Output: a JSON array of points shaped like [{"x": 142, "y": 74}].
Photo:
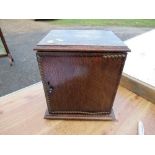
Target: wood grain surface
[
  {"x": 82, "y": 48},
  {"x": 139, "y": 87},
  {"x": 22, "y": 112},
  {"x": 80, "y": 83}
]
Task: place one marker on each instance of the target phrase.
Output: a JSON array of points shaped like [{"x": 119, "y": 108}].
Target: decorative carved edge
[
  {"x": 122, "y": 56},
  {"x": 69, "y": 116},
  {"x": 39, "y": 59},
  {"x": 79, "y": 112},
  {"x": 114, "y": 56}
]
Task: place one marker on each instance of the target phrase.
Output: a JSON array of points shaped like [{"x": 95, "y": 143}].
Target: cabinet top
[{"x": 81, "y": 40}]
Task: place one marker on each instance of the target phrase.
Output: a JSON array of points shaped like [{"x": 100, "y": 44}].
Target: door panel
[{"x": 81, "y": 83}]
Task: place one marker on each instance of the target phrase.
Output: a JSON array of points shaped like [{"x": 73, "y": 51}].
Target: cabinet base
[{"x": 105, "y": 117}]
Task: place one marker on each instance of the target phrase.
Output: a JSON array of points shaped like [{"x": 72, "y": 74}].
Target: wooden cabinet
[{"x": 80, "y": 71}]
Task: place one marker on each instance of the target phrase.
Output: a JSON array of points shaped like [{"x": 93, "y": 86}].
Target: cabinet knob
[{"x": 50, "y": 87}]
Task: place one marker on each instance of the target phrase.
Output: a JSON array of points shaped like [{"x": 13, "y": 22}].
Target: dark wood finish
[
  {"x": 11, "y": 60},
  {"x": 70, "y": 116},
  {"x": 80, "y": 84},
  {"x": 82, "y": 48},
  {"x": 73, "y": 81}
]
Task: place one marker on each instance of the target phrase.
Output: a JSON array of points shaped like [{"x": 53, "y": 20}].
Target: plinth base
[{"x": 97, "y": 116}]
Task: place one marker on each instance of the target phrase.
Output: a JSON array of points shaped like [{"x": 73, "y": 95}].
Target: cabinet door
[{"x": 81, "y": 83}]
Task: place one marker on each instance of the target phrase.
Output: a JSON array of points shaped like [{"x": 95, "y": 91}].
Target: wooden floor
[{"x": 22, "y": 112}]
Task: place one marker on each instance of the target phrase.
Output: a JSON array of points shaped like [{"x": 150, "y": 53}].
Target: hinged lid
[{"x": 81, "y": 40}]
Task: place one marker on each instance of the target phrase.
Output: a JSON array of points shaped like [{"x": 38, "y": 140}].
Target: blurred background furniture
[{"x": 4, "y": 50}]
